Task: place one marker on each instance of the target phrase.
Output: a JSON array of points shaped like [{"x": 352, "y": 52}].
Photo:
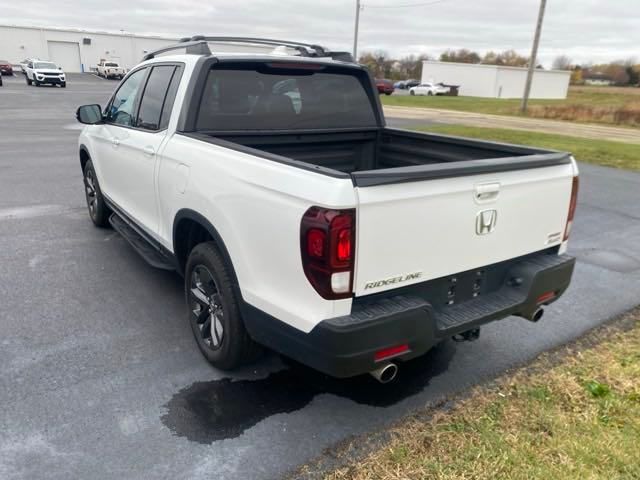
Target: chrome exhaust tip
[
  {"x": 534, "y": 316},
  {"x": 537, "y": 315},
  {"x": 385, "y": 373}
]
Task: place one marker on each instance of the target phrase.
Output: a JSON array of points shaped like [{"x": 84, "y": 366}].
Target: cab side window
[
  {"x": 154, "y": 98},
  {"x": 122, "y": 108}
]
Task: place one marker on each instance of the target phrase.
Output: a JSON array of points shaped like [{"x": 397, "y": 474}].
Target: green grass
[
  {"x": 600, "y": 152},
  {"x": 576, "y": 419},
  {"x": 619, "y": 106}
]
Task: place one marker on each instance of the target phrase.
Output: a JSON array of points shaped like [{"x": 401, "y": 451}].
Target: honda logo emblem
[{"x": 486, "y": 221}]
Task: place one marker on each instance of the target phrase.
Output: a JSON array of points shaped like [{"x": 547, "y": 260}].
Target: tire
[
  {"x": 29, "y": 81},
  {"x": 430, "y": 93},
  {"x": 36, "y": 82},
  {"x": 63, "y": 84},
  {"x": 212, "y": 301},
  {"x": 387, "y": 93},
  {"x": 412, "y": 92},
  {"x": 98, "y": 210}
]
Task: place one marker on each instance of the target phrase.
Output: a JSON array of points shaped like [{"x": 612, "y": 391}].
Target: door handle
[
  {"x": 487, "y": 191},
  {"x": 115, "y": 142},
  {"x": 148, "y": 150}
]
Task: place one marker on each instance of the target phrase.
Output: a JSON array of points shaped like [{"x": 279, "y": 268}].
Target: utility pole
[
  {"x": 355, "y": 33},
  {"x": 533, "y": 59}
]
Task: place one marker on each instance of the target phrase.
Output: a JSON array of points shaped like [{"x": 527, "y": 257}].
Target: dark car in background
[
  {"x": 406, "y": 84},
  {"x": 384, "y": 86},
  {"x": 6, "y": 68},
  {"x": 411, "y": 83}
]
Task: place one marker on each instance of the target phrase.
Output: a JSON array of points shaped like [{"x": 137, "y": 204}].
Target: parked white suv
[
  {"x": 310, "y": 227},
  {"x": 39, "y": 72}
]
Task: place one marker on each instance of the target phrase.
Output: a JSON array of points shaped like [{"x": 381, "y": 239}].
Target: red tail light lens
[
  {"x": 327, "y": 245},
  {"x": 315, "y": 243},
  {"x": 572, "y": 207},
  {"x": 344, "y": 245}
]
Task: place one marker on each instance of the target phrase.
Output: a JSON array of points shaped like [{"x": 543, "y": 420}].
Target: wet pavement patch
[
  {"x": 609, "y": 259},
  {"x": 221, "y": 409}
]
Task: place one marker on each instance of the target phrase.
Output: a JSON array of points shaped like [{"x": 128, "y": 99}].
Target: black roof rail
[
  {"x": 305, "y": 49},
  {"x": 197, "y": 47}
]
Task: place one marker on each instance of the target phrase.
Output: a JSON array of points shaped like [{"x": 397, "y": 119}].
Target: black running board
[{"x": 151, "y": 253}]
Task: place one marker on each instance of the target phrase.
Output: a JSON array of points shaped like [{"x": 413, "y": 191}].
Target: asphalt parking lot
[{"x": 100, "y": 377}]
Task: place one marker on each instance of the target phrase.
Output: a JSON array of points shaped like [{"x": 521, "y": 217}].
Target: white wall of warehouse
[
  {"x": 67, "y": 48},
  {"x": 18, "y": 43},
  {"x": 494, "y": 81}
]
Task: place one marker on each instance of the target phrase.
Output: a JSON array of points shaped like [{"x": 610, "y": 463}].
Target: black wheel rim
[
  {"x": 90, "y": 192},
  {"x": 205, "y": 302}
]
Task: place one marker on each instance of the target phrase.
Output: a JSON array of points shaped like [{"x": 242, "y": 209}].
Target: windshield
[
  {"x": 44, "y": 65},
  {"x": 265, "y": 97},
  {"x": 110, "y": 64}
]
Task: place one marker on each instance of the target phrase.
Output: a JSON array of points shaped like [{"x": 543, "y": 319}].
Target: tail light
[
  {"x": 572, "y": 207},
  {"x": 327, "y": 244}
]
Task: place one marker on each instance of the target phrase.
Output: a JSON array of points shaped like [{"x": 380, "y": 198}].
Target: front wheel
[
  {"x": 63, "y": 84},
  {"x": 411, "y": 92},
  {"x": 29, "y": 82},
  {"x": 430, "y": 93},
  {"x": 213, "y": 310},
  {"x": 98, "y": 210}
]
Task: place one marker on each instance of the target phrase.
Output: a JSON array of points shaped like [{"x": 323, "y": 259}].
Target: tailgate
[{"x": 416, "y": 231}]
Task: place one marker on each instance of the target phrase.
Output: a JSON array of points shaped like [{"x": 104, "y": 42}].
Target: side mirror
[{"x": 89, "y": 114}]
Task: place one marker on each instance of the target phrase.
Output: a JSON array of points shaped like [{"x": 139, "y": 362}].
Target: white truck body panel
[{"x": 435, "y": 235}]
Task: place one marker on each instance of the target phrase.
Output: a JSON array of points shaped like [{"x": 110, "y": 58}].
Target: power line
[{"x": 405, "y": 5}]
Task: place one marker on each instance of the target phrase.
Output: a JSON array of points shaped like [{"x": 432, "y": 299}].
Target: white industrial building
[
  {"x": 478, "y": 80},
  {"x": 77, "y": 50}
]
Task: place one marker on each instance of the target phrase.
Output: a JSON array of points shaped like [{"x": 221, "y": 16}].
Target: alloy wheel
[
  {"x": 205, "y": 301},
  {"x": 90, "y": 192}
]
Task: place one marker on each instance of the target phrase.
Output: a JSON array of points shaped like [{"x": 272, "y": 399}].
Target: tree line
[{"x": 620, "y": 72}]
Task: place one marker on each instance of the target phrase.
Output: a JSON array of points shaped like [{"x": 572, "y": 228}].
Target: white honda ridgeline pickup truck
[{"x": 302, "y": 223}]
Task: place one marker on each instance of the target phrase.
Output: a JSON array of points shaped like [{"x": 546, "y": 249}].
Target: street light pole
[
  {"x": 533, "y": 59},
  {"x": 355, "y": 33}
]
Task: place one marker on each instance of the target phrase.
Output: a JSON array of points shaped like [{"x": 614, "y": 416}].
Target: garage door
[{"x": 65, "y": 55}]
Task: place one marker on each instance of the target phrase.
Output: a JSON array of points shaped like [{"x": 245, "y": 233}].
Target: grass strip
[
  {"x": 573, "y": 419},
  {"x": 599, "y": 152}
]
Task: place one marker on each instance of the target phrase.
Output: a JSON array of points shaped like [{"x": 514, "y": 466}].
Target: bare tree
[
  {"x": 562, "y": 62},
  {"x": 461, "y": 56},
  {"x": 509, "y": 58},
  {"x": 378, "y": 63}
]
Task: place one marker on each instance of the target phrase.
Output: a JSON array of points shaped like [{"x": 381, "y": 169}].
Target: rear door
[{"x": 415, "y": 231}]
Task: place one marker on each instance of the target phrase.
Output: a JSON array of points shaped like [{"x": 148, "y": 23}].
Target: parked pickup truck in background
[
  {"x": 110, "y": 69},
  {"x": 302, "y": 223}
]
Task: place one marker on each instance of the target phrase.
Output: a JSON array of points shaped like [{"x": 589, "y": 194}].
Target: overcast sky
[{"x": 585, "y": 30}]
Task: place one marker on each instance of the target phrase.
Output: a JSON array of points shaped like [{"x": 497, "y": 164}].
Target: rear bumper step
[{"x": 345, "y": 346}]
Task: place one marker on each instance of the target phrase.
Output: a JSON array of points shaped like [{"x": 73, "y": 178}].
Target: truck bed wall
[{"x": 373, "y": 150}]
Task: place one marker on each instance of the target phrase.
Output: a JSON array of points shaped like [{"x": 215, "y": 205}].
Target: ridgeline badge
[{"x": 392, "y": 280}]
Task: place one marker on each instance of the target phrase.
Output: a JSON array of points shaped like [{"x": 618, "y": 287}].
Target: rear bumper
[{"x": 345, "y": 346}]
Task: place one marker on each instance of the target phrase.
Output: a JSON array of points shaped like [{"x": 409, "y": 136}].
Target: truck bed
[{"x": 388, "y": 155}]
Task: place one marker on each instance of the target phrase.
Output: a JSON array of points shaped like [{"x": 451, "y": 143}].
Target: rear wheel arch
[{"x": 191, "y": 228}]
